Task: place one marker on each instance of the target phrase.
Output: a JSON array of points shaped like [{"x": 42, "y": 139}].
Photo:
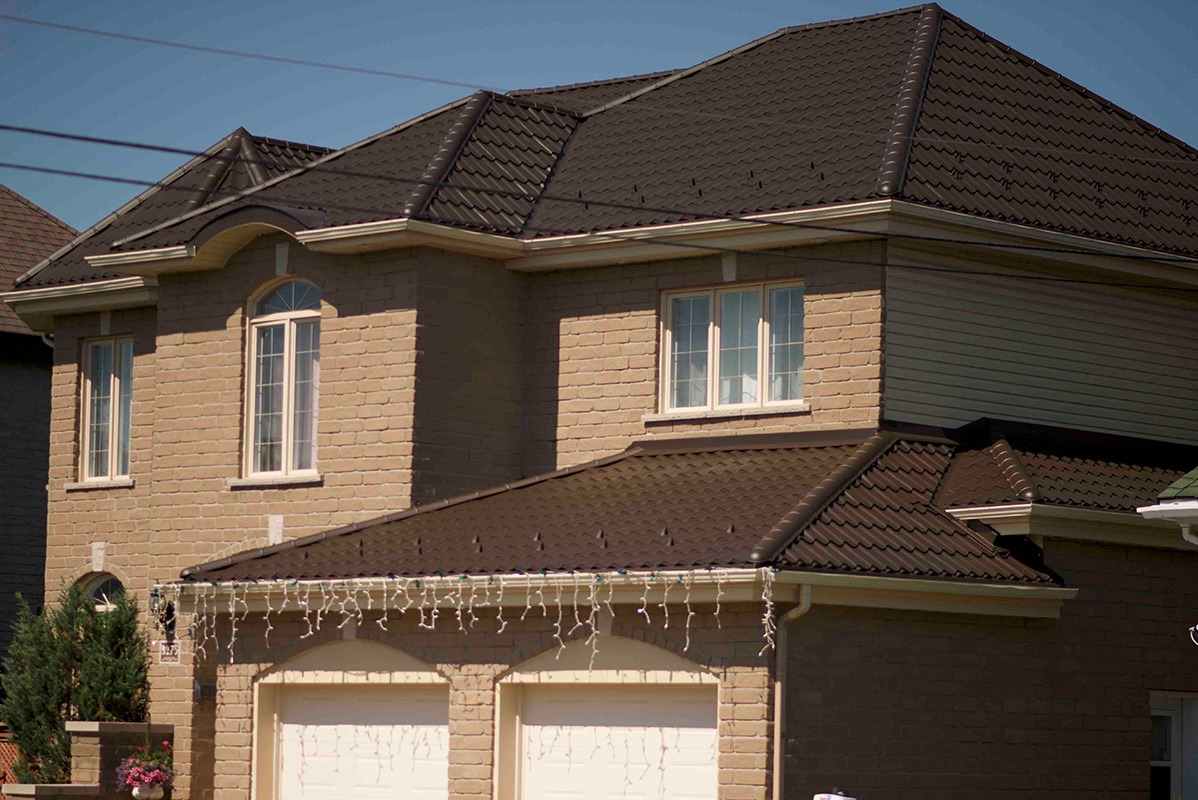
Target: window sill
[
  {"x": 274, "y": 481},
  {"x": 94, "y": 485},
  {"x": 699, "y": 414}
]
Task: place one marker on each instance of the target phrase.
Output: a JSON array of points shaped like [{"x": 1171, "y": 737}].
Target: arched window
[
  {"x": 104, "y": 589},
  {"x": 284, "y": 376}
]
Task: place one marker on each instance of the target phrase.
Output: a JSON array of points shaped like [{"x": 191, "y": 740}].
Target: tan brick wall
[
  {"x": 473, "y": 661},
  {"x": 439, "y": 374},
  {"x": 594, "y": 338},
  {"x": 896, "y": 705}
]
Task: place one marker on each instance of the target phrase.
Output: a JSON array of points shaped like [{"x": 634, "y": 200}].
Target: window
[
  {"x": 104, "y": 589},
  {"x": 1171, "y": 760},
  {"x": 740, "y": 347},
  {"x": 284, "y": 364},
  {"x": 107, "y": 405}
]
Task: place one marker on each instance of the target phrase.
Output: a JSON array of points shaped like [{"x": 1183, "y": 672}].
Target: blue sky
[{"x": 1139, "y": 54}]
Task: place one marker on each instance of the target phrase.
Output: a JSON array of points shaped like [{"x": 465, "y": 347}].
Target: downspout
[{"x": 780, "y": 652}]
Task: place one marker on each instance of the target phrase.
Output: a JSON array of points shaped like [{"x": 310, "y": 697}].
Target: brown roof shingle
[{"x": 28, "y": 234}]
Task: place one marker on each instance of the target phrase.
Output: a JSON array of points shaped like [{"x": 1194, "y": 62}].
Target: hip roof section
[
  {"x": 913, "y": 104},
  {"x": 850, "y": 502}
]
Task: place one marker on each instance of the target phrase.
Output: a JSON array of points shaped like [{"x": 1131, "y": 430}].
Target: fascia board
[
  {"x": 1079, "y": 524},
  {"x": 38, "y": 307}
]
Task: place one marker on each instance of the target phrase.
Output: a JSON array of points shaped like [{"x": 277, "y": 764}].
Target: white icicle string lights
[{"x": 315, "y": 601}]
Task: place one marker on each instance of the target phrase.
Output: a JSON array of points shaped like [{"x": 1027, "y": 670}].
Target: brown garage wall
[{"x": 895, "y": 705}]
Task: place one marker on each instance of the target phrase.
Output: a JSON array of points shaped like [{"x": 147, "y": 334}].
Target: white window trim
[
  {"x": 1182, "y": 709},
  {"x": 249, "y": 474},
  {"x": 114, "y": 478},
  {"x": 713, "y": 407}
]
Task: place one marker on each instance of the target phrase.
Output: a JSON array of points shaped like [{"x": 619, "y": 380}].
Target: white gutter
[{"x": 1183, "y": 512}]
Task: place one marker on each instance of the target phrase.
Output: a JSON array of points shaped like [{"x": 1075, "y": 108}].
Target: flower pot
[{"x": 148, "y": 792}]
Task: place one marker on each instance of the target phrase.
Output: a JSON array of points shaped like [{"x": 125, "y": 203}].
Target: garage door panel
[
  {"x": 633, "y": 743},
  {"x": 374, "y": 743}
]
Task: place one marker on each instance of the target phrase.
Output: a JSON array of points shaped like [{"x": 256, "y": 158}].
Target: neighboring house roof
[
  {"x": 847, "y": 502},
  {"x": 912, "y": 104},
  {"x": 1184, "y": 488},
  {"x": 27, "y": 235}
]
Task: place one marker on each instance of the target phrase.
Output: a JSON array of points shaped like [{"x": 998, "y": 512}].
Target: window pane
[
  {"x": 689, "y": 319},
  {"x": 1160, "y": 783},
  {"x": 740, "y": 313},
  {"x": 786, "y": 344},
  {"x": 291, "y": 296},
  {"x": 125, "y": 405},
  {"x": 99, "y": 409},
  {"x": 307, "y": 378},
  {"x": 268, "y": 399},
  {"x": 1162, "y": 734}
]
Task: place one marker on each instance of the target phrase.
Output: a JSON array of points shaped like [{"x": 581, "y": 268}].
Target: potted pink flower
[{"x": 147, "y": 772}]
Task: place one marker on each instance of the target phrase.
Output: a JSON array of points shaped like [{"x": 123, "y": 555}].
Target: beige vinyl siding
[{"x": 959, "y": 347}]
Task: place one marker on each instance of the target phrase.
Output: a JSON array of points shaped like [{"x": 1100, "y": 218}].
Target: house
[
  {"x": 741, "y": 431},
  {"x": 28, "y": 234}
]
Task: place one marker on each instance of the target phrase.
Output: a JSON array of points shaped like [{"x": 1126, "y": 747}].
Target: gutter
[{"x": 1183, "y": 512}]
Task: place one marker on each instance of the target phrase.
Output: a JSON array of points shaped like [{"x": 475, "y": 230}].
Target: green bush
[{"x": 69, "y": 663}]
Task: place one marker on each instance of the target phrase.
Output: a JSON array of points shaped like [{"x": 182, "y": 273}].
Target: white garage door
[
  {"x": 357, "y": 742},
  {"x": 657, "y": 743}
]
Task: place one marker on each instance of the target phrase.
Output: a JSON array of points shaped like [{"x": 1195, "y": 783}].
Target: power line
[
  {"x": 222, "y": 51},
  {"x": 697, "y": 114},
  {"x": 640, "y": 238},
  {"x": 532, "y": 196}
]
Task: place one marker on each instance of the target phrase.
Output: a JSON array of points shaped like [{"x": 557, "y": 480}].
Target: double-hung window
[
  {"x": 284, "y": 372},
  {"x": 107, "y": 406},
  {"x": 734, "y": 348}
]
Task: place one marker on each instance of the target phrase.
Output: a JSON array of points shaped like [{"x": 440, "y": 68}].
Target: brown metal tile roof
[
  {"x": 1018, "y": 463},
  {"x": 650, "y": 507},
  {"x": 27, "y": 235},
  {"x": 912, "y": 104},
  {"x": 203, "y": 179},
  {"x": 886, "y": 522},
  {"x": 836, "y": 502}
]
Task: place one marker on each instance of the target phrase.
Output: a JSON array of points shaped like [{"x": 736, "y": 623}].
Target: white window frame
[
  {"x": 1182, "y": 709},
  {"x": 114, "y": 412},
  {"x": 289, "y": 320},
  {"x": 713, "y": 405}
]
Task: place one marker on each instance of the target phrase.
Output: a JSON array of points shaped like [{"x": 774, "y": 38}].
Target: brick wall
[
  {"x": 24, "y": 462},
  {"x": 473, "y": 661},
  {"x": 894, "y": 705},
  {"x": 594, "y": 339}
]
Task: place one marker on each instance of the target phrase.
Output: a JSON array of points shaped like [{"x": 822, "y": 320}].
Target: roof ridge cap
[
  {"x": 329, "y": 156},
  {"x": 1012, "y": 468},
  {"x": 819, "y": 496},
  {"x": 252, "y": 159},
  {"x": 534, "y": 104},
  {"x": 686, "y": 72},
  {"x": 447, "y": 154},
  {"x": 1077, "y": 87},
  {"x": 580, "y": 84},
  {"x": 893, "y": 170},
  {"x": 129, "y": 205},
  {"x": 291, "y": 143}
]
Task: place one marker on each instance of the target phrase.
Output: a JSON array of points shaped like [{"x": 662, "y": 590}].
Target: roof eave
[
  {"x": 1043, "y": 521},
  {"x": 37, "y": 308}
]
